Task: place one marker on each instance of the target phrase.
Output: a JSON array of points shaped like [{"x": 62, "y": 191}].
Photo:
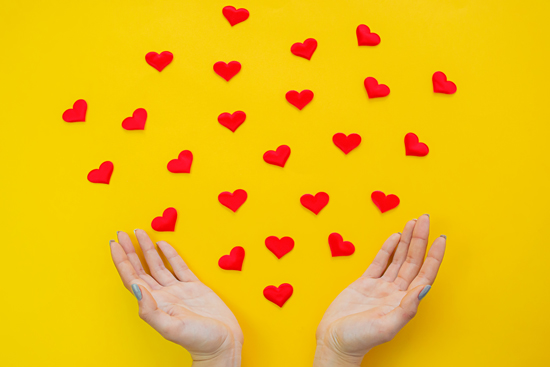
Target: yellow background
[{"x": 485, "y": 181}]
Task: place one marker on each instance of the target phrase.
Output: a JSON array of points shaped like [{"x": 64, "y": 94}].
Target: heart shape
[
  {"x": 375, "y": 90},
  {"x": 227, "y": 71},
  {"x": 182, "y": 164},
  {"x": 315, "y": 203},
  {"x": 299, "y": 100},
  {"x": 346, "y": 143},
  {"x": 137, "y": 121},
  {"x": 233, "y": 261},
  {"x": 365, "y": 37},
  {"x": 235, "y": 16},
  {"x": 77, "y": 113},
  {"x": 279, "y": 247},
  {"x": 278, "y": 295},
  {"x": 233, "y": 200},
  {"x": 339, "y": 247},
  {"x": 102, "y": 174},
  {"x": 161, "y": 61},
  {"x": 414, "y": 147},
  {"x": 278, "y": 157},
  {"x": 383, "y": 202},
  {"x": 166, "y": 222},
  {"x": 232, "y": 121},
  {"x": 305, "y": 49},
  {"x": 441, "y": 84}
]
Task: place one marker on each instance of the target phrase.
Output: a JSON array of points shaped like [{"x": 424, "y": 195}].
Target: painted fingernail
[
  {"x": 427, "y": 215},
  {"x": 111, "y": 242},
  {"x": 135, "y": 230},
  {"x": 400, "y": 233},
  {"x": 445, "y": 237},
  {"x": 137, "y": 291},
  {"x": 424, "y": 292}
]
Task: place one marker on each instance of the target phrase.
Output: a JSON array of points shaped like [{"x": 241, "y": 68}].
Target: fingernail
[
  {"x": 400, "y": 233},
  {"x": 427, "y": 215},
  {"x": 135, "y": 230},
  {"x": 111, "y": 242},
  {"x": 445, "y": 237},
  {"x": 423, "y": 293},
  {"x": 414, "y": 219},
  {"x": 137, "y": 291}
]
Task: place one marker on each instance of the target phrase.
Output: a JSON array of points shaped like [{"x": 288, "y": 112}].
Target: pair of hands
[{"x": 369, "y": 312}]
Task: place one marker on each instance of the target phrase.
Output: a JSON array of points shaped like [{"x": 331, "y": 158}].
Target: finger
[
  {"x": 431, "y": 265},
  {"x": 156, "y": 266},
  {"x": 415, "y": 256},
  {"x": 176, "y": 262},
  {"x": 400, "y": 253},
  {"x": 150, "y": 313},
  {"x": 380, "y": 262},
  {"x": 407, "y": 309},
  {"x": 125, "y": 269},
  {"x": 133, "y": 257}
]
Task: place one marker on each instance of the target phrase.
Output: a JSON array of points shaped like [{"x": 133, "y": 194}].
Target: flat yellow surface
[{"x": 484, "y": 182}]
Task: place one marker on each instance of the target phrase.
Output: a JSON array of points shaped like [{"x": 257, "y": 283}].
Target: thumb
[
  {"x": 408, "y": 307},
  {"x": 149, "y": 311}
]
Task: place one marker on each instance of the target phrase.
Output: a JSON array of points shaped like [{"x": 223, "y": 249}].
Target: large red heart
[
  {"x": 167, "y": 222},
  {"x": 299, "y": 100},
  {"x": 365, "y": 37},
  {"x": 383, "y": 202},
  {"x": 235, "y": 16},
  {"x": 232, "y": 121},
  {"x": 137, "y": 121},
  {"x": 375, "y": 90},
  {"x": 233, "y": 200},
  {"x": 227, "y": 71},
  {"x": 346, "y": 143},
  {"x": 339, "y": 247},
  {"x": 233, "y": 261},
  {"x": 315, "y": 203},
  {"x": 279, "y": 247},
  {"x": 278, "y": 157},
  {"x": 161, "y": 61},
  {"x": 414, "y": 147},
  {"x": 441, "y": 84},
  {"x": 182, "y": 164},
  {"x": 305, "y": 49},
  {"x": 278, "y": 295},
  {"x": 102, "y": 174},
  {"x": 77, "y": 113}
]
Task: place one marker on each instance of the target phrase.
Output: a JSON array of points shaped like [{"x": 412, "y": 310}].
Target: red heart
[
  {"x": 375, "y": 90},
  {"x": 182, "y": 164},
  {"x": 233, "y": 261},
  {"x": 278, "y": 295},
  {"x": 414, "y": 147},
  {"x": 346, "y": 143},
  {"x": 102, "y": 174},
  {"x": 305, "y": 49},
  {"x": 161, "y": 61},
  {"x": 339, "y": 247},
  {"x": 299, "y": 100},
  {"x": 232, "y": 121},
  {"x": 315, "y": 203},
  {"x": 365, "y": 37},
  {"x": 137, "y": 121},
  {"x": 279, "y": 157},
  {"x": 233, "y": 200},
  {"x": 77, "y": 113},
  {"x": 441, "y": 85},
  {"x": 235, "y": 16},
  {"x": 279, "y": 247},
  {"x": 167, "y": 222},
  {"x": 383, "y": 202},
  {"x": 227, "y": 71}
]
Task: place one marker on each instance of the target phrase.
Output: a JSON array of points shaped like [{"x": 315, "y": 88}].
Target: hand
[
  {"x": 373, "y": 309},
  {"x": 183, "y": 310}
]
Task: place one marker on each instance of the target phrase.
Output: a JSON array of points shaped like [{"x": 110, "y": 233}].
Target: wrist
[
  {"x": 228, "y": 357},
  {"x": 326, "y": 356}
]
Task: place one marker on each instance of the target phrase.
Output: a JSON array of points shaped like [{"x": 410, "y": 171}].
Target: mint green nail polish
[
  {"x": 427, "y": 215},
  {"x": 424, "y": 292},
  {"x": 137, "y": 292},
  {"x": 445, "y": 237},
  {"x": 111, "y": 242},
  {"x": 400, "y": 233}
]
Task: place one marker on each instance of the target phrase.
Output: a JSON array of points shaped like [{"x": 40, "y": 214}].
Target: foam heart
[
  {"x": 441, "y": 84},
  {"x": 414, "y": 147},
  {"x": 305, "y": 49},
  {"x": 365, "y": 37},
  {"x": 233, "y": 261},
  {"x": 315, "y": 203},
  {"x": 375, "y": 90},
  {"x": 233, "y": 200},
  {"x": 227, "y": 71},
  {"x": 279, "y": 247},
  {"x": 161, "y": 61},
  {"x": 278, "y": 157},
  {"x": 232, "y": 121},
  {"x": 137, "y": 121},
  {"x": 235, "y": 16},
  {"x": 299, "y": 100},
  {"x": 166, "y": 222},
  {"x": 346, "y": 143},
  {"x": 182, "y": 164},
  {"x": 77, "y": 113},
  {"x": 278, "y": 295},
  {"x": 339, "y": 247},
  {"x": 102, "y": 174},
  {"x": 383, "y": 202}
]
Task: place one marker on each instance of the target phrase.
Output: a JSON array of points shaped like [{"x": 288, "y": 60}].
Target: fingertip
[
  {"x": 137, "y": 292},
  {"x": 444, "y": 236},
  {"x": 424, "y": 292}
]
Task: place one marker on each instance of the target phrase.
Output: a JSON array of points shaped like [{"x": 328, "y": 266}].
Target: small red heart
[
  {"x": 182, "y": 164},
  {"x": 299, "y": 100},
  {"x": 279, "y": 247},
  {"x": 441, "y": 84},
  {"x": 232, "y": 121},
  {"x": 339, "y": 247},
  {"x": 346, "y": 143},
  {"x": 167, "y": 222},
  {"x": 278, "y": 295},
  {"x": 278, "y": 157},
  {"x": 233, "y": 200},
  {"x": 375, "y": 90},
  {"x": 365, "y": 37},
  {"x": 233, "y": 261},
  {"x": 227, "y": 71},
  {"x": 383, "y": 202},
  {"x": 137, "y": 121},
  {"x": 305, "y": 49},
  {"x": 414, "y": 147},
  {"x": 77, "y": 113},
  {"x": 102, "y": 174},
  {"x": 315, "y": 203},
  {"x": 235, "y": 16},
  {"x": 161, "y": 61}
]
